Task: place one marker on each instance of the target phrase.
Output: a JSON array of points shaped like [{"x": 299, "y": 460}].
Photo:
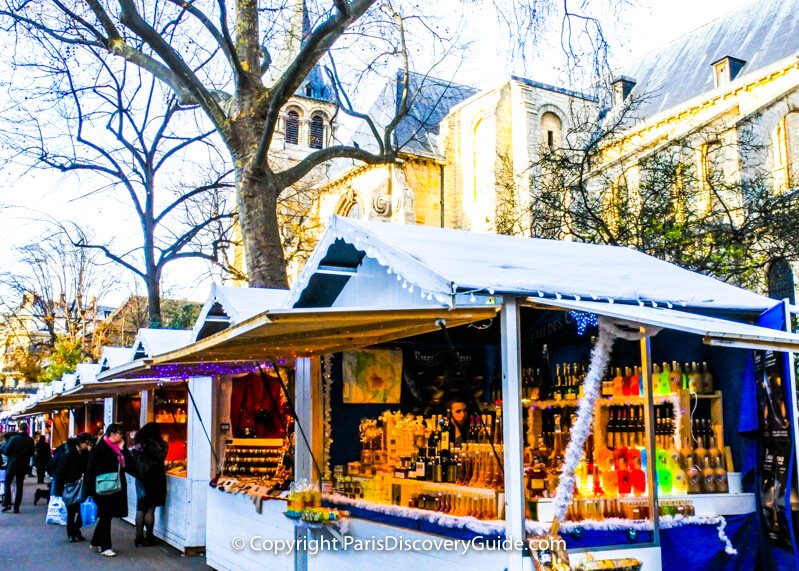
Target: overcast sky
[{"x": 641, "y": 28}]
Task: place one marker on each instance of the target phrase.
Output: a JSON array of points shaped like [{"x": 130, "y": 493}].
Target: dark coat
[
  {"x": 42, "y": 453},
  {"x": 19, "y": 451},
  {"x": 70, "y": 466},
  {"x": 149, "y": 459},
  {"x": 103, "y": 460}
]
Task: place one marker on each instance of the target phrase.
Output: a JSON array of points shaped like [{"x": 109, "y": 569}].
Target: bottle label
[{"x": 537, "y": 484}]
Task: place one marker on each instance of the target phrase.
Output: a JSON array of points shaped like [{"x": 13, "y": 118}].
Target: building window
[
  {"x": 785, "y": 152},
  {"x": 317, "y": 134},
  {"x": 292, "y": 128},
  {"x": 726, "y": 69},
  {"x": 552, "y": 131}
]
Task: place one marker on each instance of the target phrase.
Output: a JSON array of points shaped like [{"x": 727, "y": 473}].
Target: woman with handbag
[
  {"x": 68, "y": 482},
  {"x": 105, "y": 482},
  {"x": 149, "y": 452}
]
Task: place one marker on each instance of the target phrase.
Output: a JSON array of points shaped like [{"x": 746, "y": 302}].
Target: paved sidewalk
[{"x": 28, "y": 543}]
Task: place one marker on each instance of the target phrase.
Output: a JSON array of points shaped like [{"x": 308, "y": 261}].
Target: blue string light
[{"x": 584, "y": 320}]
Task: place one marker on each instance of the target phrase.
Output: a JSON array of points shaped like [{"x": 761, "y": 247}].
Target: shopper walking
[
  {"x": 109, "y": 457},
  {"x": 149, "y": 453},
  {"x": 41, "y": 456},
  {"x": 19, "y": 452},
  {"x": 70, "y": 468}
]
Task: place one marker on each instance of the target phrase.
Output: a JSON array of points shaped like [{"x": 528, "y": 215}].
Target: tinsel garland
[
  {"x": 497, "y": 527},
  {"x": 609, "y": 331},
  {"x": 482, "y": 527},
  {"x": 592, "y": 386},
  {"x": 617, "y": 524},
  {"x": 327, "y": 388}
]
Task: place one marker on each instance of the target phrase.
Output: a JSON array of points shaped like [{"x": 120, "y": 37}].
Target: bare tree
[
  {"x": 704, "y": 214},
  {"x": 50, "y": 305},
  {"x": 130, "y": 136},
  {"x": 218, "y": 56}
]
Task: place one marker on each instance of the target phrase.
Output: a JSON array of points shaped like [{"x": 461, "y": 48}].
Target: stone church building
[{"x": 461, "y": 148}]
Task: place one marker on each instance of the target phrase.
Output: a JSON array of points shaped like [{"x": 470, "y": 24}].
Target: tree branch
[{"x": 295, "y": 173}]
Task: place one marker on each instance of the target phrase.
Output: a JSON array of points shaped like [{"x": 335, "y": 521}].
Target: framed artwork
[{"x": 372, "y": 376}]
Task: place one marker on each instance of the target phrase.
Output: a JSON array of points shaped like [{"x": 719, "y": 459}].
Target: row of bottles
[
  {"x": 567, "y": 384},
  {"x": 625, "y": 426},
  {"x": 473, "y": 465},
  {"x": 675, "y": 378},
  {"x": 462, "y": 504}
]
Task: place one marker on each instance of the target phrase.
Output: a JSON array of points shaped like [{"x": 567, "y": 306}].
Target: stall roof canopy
[
  {"x": 282, "y": 334},
  {"x": 86, "y": 393},
  {"x": 445, "y": 262},
  {"x": 114, "y": 357},
  {"x": 714, "y": 331},
  {"x": 228, "y": 306},
  {"x": 150, "y": 342}
]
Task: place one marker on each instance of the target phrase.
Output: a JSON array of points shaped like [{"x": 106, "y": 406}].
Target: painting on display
[{"x": 372, "y": 376}]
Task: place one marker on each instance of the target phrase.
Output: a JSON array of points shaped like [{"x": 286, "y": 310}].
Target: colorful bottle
[
  {"x": 675, "y": 378},
  {"x": 707, "y": 379},
  {"x": 708, "y": 477},
  {"x": 722, "y": 485},
  {"x": 695, "y": 379},
  {"x": 618, "y": 383},
  {"x": 664, "y": 382}
]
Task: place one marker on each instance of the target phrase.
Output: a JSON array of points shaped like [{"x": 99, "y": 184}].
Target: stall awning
[
  {"x": 715, "y": 331},
  {"x": 88, "y": 392},
  {"x": 286, "y": 334}
]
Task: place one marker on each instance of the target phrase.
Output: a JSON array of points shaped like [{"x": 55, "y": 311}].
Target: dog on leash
[{"x": 41, "y": 494}]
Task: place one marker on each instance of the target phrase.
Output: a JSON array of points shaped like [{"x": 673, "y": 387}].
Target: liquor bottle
[
  {"x": 720, "y": 474},
  {"x": 443, "y": 434},
  {"x": 607, "y": 385},
  {"x": 546, "y": 374},
  {"x": 695, "y": 379},
  {"x": 626, "y": 383},
  {"x": 535, "y": 392},
  {"x": 708, "y": 477},
  {"x": 635, "y": 382},
  {"x": 611, "y": 428},
  {"x": 623, "y": 427},
  {"x": 664, "y": 384},
  {"x": 632, "y": 432},
  {"x": 618, "y": 383},
  {"x": 686, "y": 455},
  {"x": 557, "y": 393},
  {"x": 556, "y": 457},
  {"x": 700, "y": 452},
  {"x": 694, "y": 479},
  {"x": 581, "y": 382},
  {"x": 680, "y": 482},
  {"x": 712, "y": 451},
  {"x": 571, "y": 387},
  {"x": 707, "y": 379},
  {"x": 675, "y": 378}
]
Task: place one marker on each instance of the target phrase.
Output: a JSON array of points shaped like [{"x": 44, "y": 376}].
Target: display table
[{"x": 232, "y": 518}]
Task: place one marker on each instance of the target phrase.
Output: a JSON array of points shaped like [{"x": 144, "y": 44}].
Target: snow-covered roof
[
  {"x": 113, "y": 357},
  {"x": 70, "y": 380},
  {"x": 227, "y": 306},
  {"x": 761, "y": 34},
  {"x": 150, "y": 342},
  {"x": 86, "y": 372},
  {"x": 441, "y": 263}
]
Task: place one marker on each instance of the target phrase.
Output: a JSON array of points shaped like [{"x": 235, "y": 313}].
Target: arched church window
[
  {"x": 784, "y": 152},
  {"x": 292, "y": 128},
  {"x": 781, "y": 281},
  {"x": 317, "y": 133},
  {"x": 551, "y": 131}
]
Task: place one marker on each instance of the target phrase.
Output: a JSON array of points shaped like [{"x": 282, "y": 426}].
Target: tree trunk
[
  {"x": 154, "y": 301},
  {"x": 263, "y": 248}
]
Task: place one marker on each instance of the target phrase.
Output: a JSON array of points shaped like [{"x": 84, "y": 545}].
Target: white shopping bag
[{"x": 56, "y": 511}]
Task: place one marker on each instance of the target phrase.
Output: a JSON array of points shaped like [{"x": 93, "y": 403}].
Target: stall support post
[
  {"x": 790, "y": 382},
  {"x": 87, "y": 418},
  {"x": 308, "y": 404},
  {"x": 73, "y": 425},
  {"x": 146, "y": 413},
  {"x": 649, "y": 417},
  {"x": 109, "y": 411},
  {"x": 512, "y": 424}
]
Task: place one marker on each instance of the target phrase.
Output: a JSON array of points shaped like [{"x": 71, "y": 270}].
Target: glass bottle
[{"x": 707, "y": 379}]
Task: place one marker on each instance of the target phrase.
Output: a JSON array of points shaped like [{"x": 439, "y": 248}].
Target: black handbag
[{"x": 73, "y": 493}]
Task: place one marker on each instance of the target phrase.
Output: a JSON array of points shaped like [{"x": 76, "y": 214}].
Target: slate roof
[
  {"x": 761, "y": 34},
  {"x": 430, "y": 101}
]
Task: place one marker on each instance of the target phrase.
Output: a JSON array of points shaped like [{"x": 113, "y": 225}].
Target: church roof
[
  {"x": 760, "y": 34},
  {"x": 430, "y": 101}
]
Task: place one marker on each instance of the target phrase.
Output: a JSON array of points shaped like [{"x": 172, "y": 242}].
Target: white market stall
[{"x": 382, "y": 285}]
